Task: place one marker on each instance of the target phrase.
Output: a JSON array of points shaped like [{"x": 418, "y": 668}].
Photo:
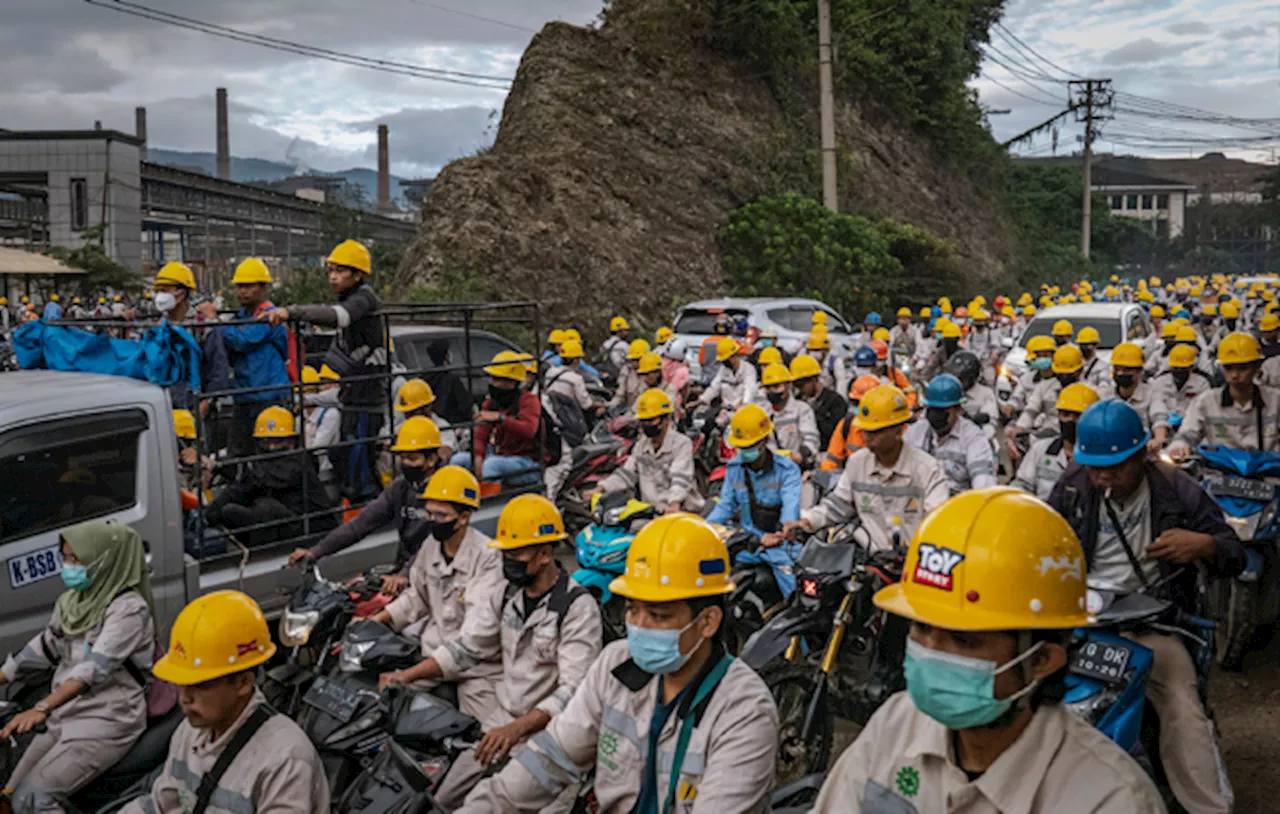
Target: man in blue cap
[
  {"x": 950, "y": 436},
  {"x": 1140, "y": 524}
]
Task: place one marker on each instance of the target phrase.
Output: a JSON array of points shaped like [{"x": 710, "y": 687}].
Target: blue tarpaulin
[{"x": 165, "y": 355}]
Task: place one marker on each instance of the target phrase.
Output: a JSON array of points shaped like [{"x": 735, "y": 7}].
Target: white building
[{"x": 1158, "y": 201}]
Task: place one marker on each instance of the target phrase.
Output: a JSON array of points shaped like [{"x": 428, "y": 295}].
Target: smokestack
[
  {"x": 140, "y": 129},
  {"x": 224, "y": 144},
  {"x": 384, "y": 171}
]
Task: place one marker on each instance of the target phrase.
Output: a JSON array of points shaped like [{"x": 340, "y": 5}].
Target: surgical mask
[
  {"x": 504, "y": 396},
  {"x": 443, "y": 531},
  {"x": 413, "y": 474},
  {"x": 657, "y": 651},
  {"x": 750, "y": 455},
  {"x": 1041, "y": 363},
  {"x": 1124, "y": 379},
  {"x": 76, "y": 577},
  {"x": 517, "y": 572},
  {"x": 938, "y": 417},
  {"x": 765, "y": 342},
  {"x": 651, "y": 430},
  {"x": 165, "y": 302},
  {"x": 863, "y": 371},
  {"x": 1068, "y": 432},
  {"x": 777, "y": 398},
  {"x": 957, "y": 691}
]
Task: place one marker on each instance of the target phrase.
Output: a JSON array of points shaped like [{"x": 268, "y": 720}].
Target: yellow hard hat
[
  {"x": 1270, "y": 322},
  {"x": 453, "y": 484},
  {"x": 775, "y": 373},
  {"x": 1076, "y": 398},
  {"x": 653, "y": 403},
  {"x": 1157, "y": 311},
  {"x": 926, "y": 312},
  {"x": 1183, "y": 356},
  {"x": 76, "y": 300},
  {"x": 1028, "y": 310},
  {"x": 769, "y": 356},
  {"x": 1187, "y": 334},
  {"x": 571, "y": 349},
  {"x": 1008, "y": 311},
  {"x": 555, "y": 337},
  {"x": 101, "y": 300},
  {"x": 618, "y": 324},
  {"x": 116, "y": 298},
  {"x": 572, "y": 335},
  {"x": 804, "y": 366},
  {"x": 1067, "y": 359},
  {"x": 218, "y": 634},
  {"x": 528, "y": 520},
  {"x": 1024, "y": 298},
  {"x": 526, "y": 359},
  {"x": 1196, "y": 291},
  {"x": 649, "y": 363},
  {"x": 1210, "y": 310},
  {"x": 26, "y": 299},
  {"x": 1088, "y": 336},
  {"x": 4, "y": 300},
  {"x": 53, "y": 297},
  {"x": 1041, "y": 344},
  {"x": 637, "y": 348},
  {"x": 945, "y": 304},
  {"x": 980, "y": 300},
  {"x": 726, "y": 347},
  {"x": 904, "y": 311},
  {"x": 979, "y": 314},
  {"x": 1127, "y": 354},
  {"x": 949, "y": 329},
  {"x": 1086, "y": 298},
  {"x": 749, "y": 426},
  {"x": 819, "y": 340},
  {"x": 174, "y": 273},
  {"x": 352, "y": 254},
  {"x": 819, "y": 317},
  {"x": 310, "y": 375},
  {"x": 1062, "y": 328},
  {"x": 992, "y": 559},
  {"x": 663, "y": 334},
  {"x": 418, "y": 433},
  {"x": 677, "y": 556},
  {"x": 880, "y": 333},
  {"x": 1170, "y": 330},
  {"x": 328, "y": 373},
  {"x": 506, "y": 365},
  {"x": 184, "y": 425},
  {"x": 274, "y": 422},
  {"x": 1239, "y": 349},
  {"x": 414, "y": 395},
  {"x": 1230, "y": 310},
  {"x": 251, "y": 271},
  {"x": 881, "y": 407}
]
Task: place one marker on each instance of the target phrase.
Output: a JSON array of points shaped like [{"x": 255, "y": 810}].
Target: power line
[
  {"x": 994, "y": 81},
  {"x": 1010, "y": 35},
  {"x": 355, "y": 60},
  {"x": 502, "y": 23}
]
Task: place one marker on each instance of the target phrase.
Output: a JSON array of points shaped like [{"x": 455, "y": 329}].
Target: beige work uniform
[
  {"x": 981, "y": 400},
  {"x": 544, "y": 658},
  {"x": 964, "y": 452},
  {"x": 664, "y": 475},
  {"x": 1041, "y": 467},
  {"x": 735, "y": 388},
  {"x": 1178, "y": 399},
  {"x": 1041, "y": 412},
  {"x": 450, "y": 600},
  {"x": 795, "y": 430},
  {"x": 277, "y": 771},
  {"x": 903, "y": 762},
  {"x": 1145, "y": 398},
  {"x": 1023, "y": 387},
  {"x": 1215, "y": 418},
  {"x": 629, "y": 389},
  {"x": 1270, "y": 373},
  {"x": 728, "y": 764},
  {"x": 568, "y": 382},
  {"x": 91, "y": 732},
  {"x": 914, "y": 486}
]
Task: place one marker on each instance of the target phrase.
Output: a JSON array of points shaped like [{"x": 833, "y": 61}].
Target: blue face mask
[
  {"x": 657, "y": 651},
  {"x": 1041, "y": 363},
  {"x": 956, "y": 691},
  {"x": 749, "y": 455},
  {"x": 76, "y": 577},
  {"x": 765, "y": 342}
]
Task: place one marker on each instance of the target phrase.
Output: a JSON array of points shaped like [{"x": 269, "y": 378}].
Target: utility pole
[
  {"x": 1091, "y": 99},
  {"x": 827, "y": 105}
]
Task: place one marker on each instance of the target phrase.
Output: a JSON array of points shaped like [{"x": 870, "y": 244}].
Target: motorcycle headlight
[
  {"x": 1094, "y": 708},
  {"x": 353, "y": 653},
  {"x": 295, "y": 628},
  {"x": 613, "y": 556},
  {"x": 613, "y": 517}
]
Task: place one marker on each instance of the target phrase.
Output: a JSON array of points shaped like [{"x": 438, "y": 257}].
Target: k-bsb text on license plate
[{"x": 25, "y": 569}]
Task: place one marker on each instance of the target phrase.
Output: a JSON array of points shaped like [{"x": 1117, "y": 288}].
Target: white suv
[{"x": 1115, "y": 322}]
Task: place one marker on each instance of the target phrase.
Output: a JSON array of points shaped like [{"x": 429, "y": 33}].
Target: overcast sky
[{"x": 68, "y": 63}]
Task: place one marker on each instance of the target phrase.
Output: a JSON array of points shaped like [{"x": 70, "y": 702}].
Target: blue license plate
[{"x": 25, "y": 569}]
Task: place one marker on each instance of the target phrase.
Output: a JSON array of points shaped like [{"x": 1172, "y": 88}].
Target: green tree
[{"x": 101, "y": 272}]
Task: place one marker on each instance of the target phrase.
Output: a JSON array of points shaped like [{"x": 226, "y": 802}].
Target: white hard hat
[{"x": 674, "y": 349}]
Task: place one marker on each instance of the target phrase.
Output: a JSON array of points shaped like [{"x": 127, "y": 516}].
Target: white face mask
[{"x": 165, "y": 302}]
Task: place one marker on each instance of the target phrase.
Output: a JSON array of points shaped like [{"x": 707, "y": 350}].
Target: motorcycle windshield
[
  {"x": 827, "y": 558},
  {"x": 1247, "y": 463}
]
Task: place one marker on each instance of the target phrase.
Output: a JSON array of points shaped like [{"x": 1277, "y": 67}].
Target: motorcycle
[
  {"x": 1235, "y": 479},
  {"x": 710, "y": 452},
  {"x": 601, "y": 550},
  {"x": 606, "y": 449},
  {"x": 821, "y": 654}
]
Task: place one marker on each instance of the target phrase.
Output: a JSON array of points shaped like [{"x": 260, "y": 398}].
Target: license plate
[
  {"x": 1103, "y": 661},
  {"x": 25, "y": 569},
  {"x": 1242, "y": 488},
  {"x": 332, "y": 699}
]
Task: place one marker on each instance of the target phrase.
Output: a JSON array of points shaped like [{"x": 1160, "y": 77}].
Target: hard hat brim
[
  {"x": 895, "y": 599},
  {"x": 541, "y": 539},
  {"x": 1109, "y": 458},
  {"x": 166, "y": 669},
  {"x": 872, "y": 426},
  {"x": 664, "y": 593}
]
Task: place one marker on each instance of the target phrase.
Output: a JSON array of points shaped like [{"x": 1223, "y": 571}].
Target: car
[{"x": 1116, "y": 322}]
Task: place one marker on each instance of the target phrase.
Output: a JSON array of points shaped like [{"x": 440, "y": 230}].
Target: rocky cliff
[{"x": 620, "y": 156}]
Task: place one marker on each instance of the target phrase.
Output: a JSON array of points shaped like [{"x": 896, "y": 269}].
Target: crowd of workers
[{"x": 908, "y": 415}]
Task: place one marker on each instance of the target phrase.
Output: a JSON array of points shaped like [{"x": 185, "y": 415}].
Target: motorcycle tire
[
  {"x": 1235, "y": 609},
  {"x": 791, "y": 685}
]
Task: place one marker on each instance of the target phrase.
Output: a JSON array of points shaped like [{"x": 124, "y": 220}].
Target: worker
[
  {"x": 734, "y": 383},
  {"x": 175, "y": 286},
  {"x": 417, "y": 399},
  {"x": 52, "y": 309},
  {"x": 1040, "y": 415},
  {"x": 980, "y": 402},
  {"x": 1148, "y": 527},
  {"x": 511, "y": 418},
  {"x": 982, "y": 726},
  {"x": 258, "y": 354},
  {"x": 99, "y": 643},
  {"x": 283, "y": 489},
  {"x": 323, "y": 421},
  {"x": 1049, "y": 457},
  {"x": 662, "y": 336},
  {"x": 983, "y": 342},
  {"x": 890, "y": 485},
  {"x": 1095, "y": 372},
  {"x": 836, "y": 371},
  {"x": 551, "y": 356},
  {"x": 629, "y": 387},
  {"x": 451, "y": 587},
  {"x": 1241, "y": 414},
  {"x": 1062, "y": 332},
  {"x": 1269, "y": 335},
  {"x": 359, "y": 351},
  {"x": 762, "y": 489},
  {"x": 948, "y": 435},
  {"x": 669, "y": 720},
  {"x": 828, "y": 408},
  {"x": 675, "y": 372},
  {"x": 659, "y": 470},
  {"x": 615, "y": 350},
  {"x": 421, "y": 454},
  {"x": 1127, "y": 364},
  {"x": 847, "y": 438},
  {"x": 232, "y": 753},
  {"x": 795, "y": 430},
  {"x": 1207, "y": 328},
  {"x": 902, "y": 339},
  {"x": 566, "y": 386},
  {"x": 454, "y": 402},
  {"x": 550, "y": 635},
  {"x": 1157, "y": 360}
]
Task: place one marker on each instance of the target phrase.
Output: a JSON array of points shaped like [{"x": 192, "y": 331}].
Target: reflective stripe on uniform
[
  {"x": 886, "y": 490},
  {"x": 532, "y": 762},
  {"x": 694, "y": 762},
  {"x": 622, "y": 723},
  {"x": 222, "y": 798}
]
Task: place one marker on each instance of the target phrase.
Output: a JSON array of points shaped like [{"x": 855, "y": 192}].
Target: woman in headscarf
[{"x": 100, "y": 643}]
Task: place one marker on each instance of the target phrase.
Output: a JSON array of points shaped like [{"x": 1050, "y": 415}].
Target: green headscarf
[{"x": 114, "y": 557}]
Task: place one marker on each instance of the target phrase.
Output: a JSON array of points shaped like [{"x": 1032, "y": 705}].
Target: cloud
[
  {"x": 1242, "y": 33},
  {"x": 1144, "y": 50},
  {"x": 432, "y": 137},
  {"x": 1183, "y": 29}
]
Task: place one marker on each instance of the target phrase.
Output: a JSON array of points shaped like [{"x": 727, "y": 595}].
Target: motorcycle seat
[
  {"x": 588, "y": 451},
  {"x": 151, "y": 747}
]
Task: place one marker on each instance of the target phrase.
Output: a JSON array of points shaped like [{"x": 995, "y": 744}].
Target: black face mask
[
  {"x": 1180, "y": 377},
  {"x": 950, "y": 345},
  {"x": 1206, "y": 320},
  {"x": 777, "y": 399},
  {"x": 1065, "y": 379},
  {"x": 443, "y": 531},
  {"x": 504, "y": 396},
  {"x": 1088, "y": 350},
  {"x": 414, "y": 474},
  {"x": 1125, "y": 380},
  {"x": 517, "y": 572},
  {"x": 938, "y": 417},
  {"x": 1231, "y": 325},
  {"x": 1068, "y": 432},
  {"x": 651, "y": 430}
]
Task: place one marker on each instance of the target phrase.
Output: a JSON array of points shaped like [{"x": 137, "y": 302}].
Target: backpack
[
  {"x": 161, "y": 695},
  {"x": 552, "y": 441},
  {"x": 568, "y": 414}
]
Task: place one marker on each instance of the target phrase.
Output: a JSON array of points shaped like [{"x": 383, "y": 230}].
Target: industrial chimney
[
  {"x": 224, "y": 144},
  {"x": 140, "y": 130},
  {"x": 384, "y": 171}
]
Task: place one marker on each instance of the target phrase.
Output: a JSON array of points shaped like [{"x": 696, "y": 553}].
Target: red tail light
[{"x": 809, "y": 587}]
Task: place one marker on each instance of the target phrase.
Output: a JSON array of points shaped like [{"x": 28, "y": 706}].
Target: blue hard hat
[
  {"x": 935, "y": 311},
  {"x": 873, "y": 318},
  {"x": 1109, "y": 432},
  {"x": 943, "y": 390},
  {"x": 865, "y": 357}
]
